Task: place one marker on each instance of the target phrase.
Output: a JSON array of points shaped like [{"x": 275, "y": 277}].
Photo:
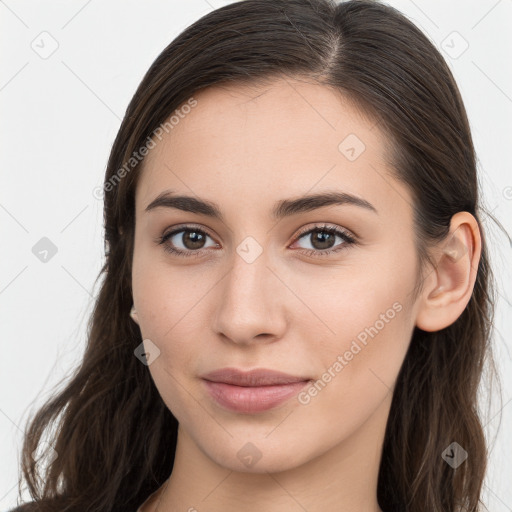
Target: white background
[{"x": 60, "y": 115}]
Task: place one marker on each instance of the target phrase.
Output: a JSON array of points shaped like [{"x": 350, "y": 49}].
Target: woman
[{"x": 297, "y": 299}]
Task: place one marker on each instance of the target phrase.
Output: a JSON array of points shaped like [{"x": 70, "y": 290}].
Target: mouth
[{"x": 254, "y": 391}]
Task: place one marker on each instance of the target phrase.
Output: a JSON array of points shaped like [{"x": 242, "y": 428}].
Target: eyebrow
[{"x": 281, "y": 209}]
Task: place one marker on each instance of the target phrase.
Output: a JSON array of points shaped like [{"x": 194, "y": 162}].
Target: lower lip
[{"x": 252, "y": 399}]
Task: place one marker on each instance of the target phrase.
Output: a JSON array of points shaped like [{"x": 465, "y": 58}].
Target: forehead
[{"x": 243, "y": 143}]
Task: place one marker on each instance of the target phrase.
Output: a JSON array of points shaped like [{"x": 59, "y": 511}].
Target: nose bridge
[
  {"x": 249, "y": 267},
  {"x": 251, "y": 302}
]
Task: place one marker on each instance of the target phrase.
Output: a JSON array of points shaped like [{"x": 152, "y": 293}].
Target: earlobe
[
  {"x": 133, "y": 314},
  {"x": 450, "y": 284}
]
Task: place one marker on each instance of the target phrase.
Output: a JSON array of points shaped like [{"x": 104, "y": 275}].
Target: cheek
[
  {"x": 370, "y": 330},
  {"x": 169, "y": 323},
  {"x": 360, "y": 368},
  {"x": 170, "y": 304},
  {"x": 166, "y": 295}
]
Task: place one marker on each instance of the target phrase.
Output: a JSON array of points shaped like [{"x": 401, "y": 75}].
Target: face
[{"x": 321, "y": 291}]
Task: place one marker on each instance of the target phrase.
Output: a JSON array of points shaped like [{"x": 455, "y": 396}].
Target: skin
[{"x": 244, "y": 148}]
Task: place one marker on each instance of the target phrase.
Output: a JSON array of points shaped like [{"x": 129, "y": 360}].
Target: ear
[
  {"x": 133, "y": 314},
  {"x": 449, "y": 286}
]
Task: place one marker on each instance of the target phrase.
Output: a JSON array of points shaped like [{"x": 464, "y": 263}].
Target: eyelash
[{"x": 347, "y": 239}]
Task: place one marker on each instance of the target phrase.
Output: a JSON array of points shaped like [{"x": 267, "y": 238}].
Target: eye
[
  {"x": 190, "y": 237},
  {"x": 322, "y": 239}
]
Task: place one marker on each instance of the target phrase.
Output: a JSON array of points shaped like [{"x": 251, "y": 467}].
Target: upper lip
[{"x": 257, "y": 377}]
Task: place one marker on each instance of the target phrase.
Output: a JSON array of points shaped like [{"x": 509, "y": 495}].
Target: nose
[{"x": 251, "y": 303}]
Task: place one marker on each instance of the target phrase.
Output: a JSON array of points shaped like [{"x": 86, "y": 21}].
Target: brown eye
[
  {"x": 192, "y": 239},
  {"x": 323, "y": 239},
  {"x": 185, "y": 241}
]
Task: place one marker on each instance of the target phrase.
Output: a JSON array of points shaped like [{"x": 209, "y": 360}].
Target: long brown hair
[{"x": 114, "y": 436}]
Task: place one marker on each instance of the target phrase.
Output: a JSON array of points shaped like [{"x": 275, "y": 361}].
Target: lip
[{"x": 252, "y": 391}]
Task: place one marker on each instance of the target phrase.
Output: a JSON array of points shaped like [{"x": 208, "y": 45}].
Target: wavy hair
[{"x": 113, "y": 434}]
